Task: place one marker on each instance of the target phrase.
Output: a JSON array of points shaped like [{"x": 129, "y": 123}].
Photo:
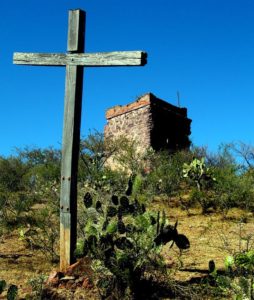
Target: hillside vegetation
[{"x": 157, "y": 226}]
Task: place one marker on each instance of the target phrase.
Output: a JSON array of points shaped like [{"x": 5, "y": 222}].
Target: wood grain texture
[
  {"x": 70, "y": 144},
  {"x": 65, "y": 241},
  {"x": 121, "y": 58},
  {"x": 76, "y": 26}
]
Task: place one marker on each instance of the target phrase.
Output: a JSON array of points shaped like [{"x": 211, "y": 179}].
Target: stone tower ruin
[{"x": 152, "y": 122}]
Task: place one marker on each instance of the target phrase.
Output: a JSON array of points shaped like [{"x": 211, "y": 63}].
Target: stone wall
[
  {"x": 133, "y": 121},
  {"x": 152, "y": 122}
]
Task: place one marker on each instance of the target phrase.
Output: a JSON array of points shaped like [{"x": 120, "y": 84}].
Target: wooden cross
[{"x": 74, "y": 61}]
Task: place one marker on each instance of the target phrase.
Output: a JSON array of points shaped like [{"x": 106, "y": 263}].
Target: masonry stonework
[{"x": 152, "y": 122}]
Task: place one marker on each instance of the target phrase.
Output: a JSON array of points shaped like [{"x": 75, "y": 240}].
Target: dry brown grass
[
  {"x": 211, "y": 238},
  {"x": 19, "y": 270}
]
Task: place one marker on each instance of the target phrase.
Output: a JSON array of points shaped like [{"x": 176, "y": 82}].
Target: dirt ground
[{"x": 211, "y": 238}]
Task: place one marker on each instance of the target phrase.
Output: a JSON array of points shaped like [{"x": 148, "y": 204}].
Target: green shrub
[
  {"x": 37, "y": 284},
  {"x": 204, "y": 198},
  {"x": 14, "y": 207},
  {"x": 94, "y": 172},
  {"x": 43, "y": 233},
  {"x": 234, "y": 185},
  {"x": 24, "y": 181},
  {"x": 238, "y": 279},
  {"x": 165, "y": 174},
  {"x": 234, "y": 179}
]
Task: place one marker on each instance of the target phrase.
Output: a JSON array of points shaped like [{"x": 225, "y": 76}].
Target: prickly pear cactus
[
  {"x": 12, "y": 290},
  {"x": 198, "y": 172},
  {"x": 123, "y": 239}
]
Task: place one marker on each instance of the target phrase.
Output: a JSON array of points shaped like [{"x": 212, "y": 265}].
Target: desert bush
[
  {"x": 128, "y": 156},
  {"x": 233, "y": 190},
  {"x": 94, "y": 170},
  {"x": 234, "y": 185},
  {"x": 43, "y": 234},
  {"x": 14, "y": 207},
  {"x": 41, "y": 230},
  {"x": 44, "y": 163},
  {"x": 165, "y": 174},
  {"x": 92, "y": 157},
  {"x": 37, "y": 284},
  {"x": 14, "y": 198},
  {"x": 32, "y": 177},
  {"x": 237, "y": 281},
  {"x": 12, "y": 174},
  {"x": 22, "y": 179}
]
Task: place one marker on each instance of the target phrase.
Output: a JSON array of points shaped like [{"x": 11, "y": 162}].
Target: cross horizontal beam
[{"x": 121, "y": 58}]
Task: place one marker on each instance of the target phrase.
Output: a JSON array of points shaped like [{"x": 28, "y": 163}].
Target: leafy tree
[
  {"x": 12, "y": 174},
  {"x": 42, "y": 163},
  {"x": 14, "y": 193},
  {"x": 234, "y": 185},
  {"x": 95, "y": 170}
]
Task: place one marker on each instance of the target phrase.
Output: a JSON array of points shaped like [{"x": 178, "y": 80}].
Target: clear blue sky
[{"x": 204, "y": 49}]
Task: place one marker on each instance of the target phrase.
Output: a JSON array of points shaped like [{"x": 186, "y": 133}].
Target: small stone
[
  {"x": 54, "y": 282},
  {"x": 79, "y": 280},
  {"x": 67, "y": 278},
  {"x": 69, "y": 284},
  {"x": 87, "y": 283},
  {"x": 71, "y": 269},
  {"x": 54, "y": 278}
]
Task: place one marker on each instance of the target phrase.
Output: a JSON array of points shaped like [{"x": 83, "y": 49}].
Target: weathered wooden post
[
  {"x": 70, "y": 141},
  {"x": 74, "y": 61}
]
